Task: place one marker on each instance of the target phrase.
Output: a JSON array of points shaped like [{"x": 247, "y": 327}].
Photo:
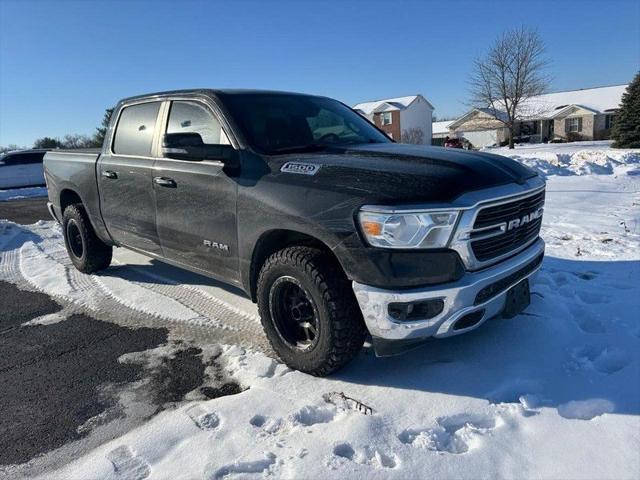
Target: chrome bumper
[{"x": 458, "y": 297}]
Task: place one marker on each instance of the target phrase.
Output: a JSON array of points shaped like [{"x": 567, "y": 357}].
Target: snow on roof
[
  {"x": 399, "y": 103},
  {"x": 598, "y": 99},
  {"x": 441, "y": 127},
  {"x": 551, "y": 105}
]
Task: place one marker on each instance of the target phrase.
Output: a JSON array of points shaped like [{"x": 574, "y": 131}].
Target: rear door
[
  {"x": 196, "y": 200},
  {"x": 125, "y": 178}
]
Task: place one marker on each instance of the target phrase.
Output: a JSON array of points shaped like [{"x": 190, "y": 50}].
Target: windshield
[{"x": 282, "y": 123}]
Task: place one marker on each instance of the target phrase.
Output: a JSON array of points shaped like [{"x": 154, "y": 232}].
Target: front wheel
[
  {"x": 308, "y": 310},
  {"x": 87, "y": 252}
]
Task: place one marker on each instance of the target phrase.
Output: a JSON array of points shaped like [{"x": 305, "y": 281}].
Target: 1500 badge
[{"x": 300, "y": 168}]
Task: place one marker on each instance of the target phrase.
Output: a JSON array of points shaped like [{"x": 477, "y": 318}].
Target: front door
[
  {"x": 196, "y": 200},
  {"x": 125, "y": 179}
]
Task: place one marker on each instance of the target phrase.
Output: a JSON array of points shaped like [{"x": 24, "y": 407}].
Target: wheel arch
[
  {"x": 274, "y": 240},
  {"x": 68, "y": 197}
]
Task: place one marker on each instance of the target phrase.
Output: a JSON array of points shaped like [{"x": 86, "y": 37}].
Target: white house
[
  {"x": 405, "y": 119},
  {"x": 585, "y": 114}
]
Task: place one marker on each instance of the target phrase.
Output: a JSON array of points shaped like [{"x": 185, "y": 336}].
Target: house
[
  {"x": 585, "y": 114},
  {"x": 440, "y": 131},
  {"x": 404, "y": 119}
]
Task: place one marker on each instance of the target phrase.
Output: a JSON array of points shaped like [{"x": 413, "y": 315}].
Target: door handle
[
  {"x": 165, "y": 182},
  {"x": 109, "y": 174}
]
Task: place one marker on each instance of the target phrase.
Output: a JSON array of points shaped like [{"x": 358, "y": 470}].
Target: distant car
[
  {"x": 453, "y": 143},
  {"x": 21, "y": 168}
]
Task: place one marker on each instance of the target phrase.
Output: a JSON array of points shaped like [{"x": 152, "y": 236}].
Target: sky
[{"x": 63, "y": 62}]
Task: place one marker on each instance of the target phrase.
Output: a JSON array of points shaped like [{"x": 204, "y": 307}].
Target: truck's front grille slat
[
  {"x": 505, "y": 212},
  {"x": 493, "y": 247}
]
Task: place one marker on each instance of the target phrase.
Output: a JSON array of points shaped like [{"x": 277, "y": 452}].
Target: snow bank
[{"x": 578, "y": 158}]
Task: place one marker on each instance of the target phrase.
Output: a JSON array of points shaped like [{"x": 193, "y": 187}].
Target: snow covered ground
[{"x": 553, "y": 393}]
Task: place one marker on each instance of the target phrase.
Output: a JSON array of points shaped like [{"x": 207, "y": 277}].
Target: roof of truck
[{"x": 211, "y": 91}]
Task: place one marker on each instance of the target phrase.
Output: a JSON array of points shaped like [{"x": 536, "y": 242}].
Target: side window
[
  {"x": 134, "y": 132},
  {"x": 22, "y": 158},
  {"x": 194, "y": 117},
  {"x": 573, "y": 124},
  {"x": 32, "y": 157}
]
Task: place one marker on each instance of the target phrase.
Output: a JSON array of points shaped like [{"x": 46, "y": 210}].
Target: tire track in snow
[
  {"x": 206, "y": 299},
  {"x": 35, "y": 255}
]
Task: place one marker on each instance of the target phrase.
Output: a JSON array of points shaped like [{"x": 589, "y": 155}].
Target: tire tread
[
  {"x": 97, "y": 253},
  {"x": 327, "y": 276}
]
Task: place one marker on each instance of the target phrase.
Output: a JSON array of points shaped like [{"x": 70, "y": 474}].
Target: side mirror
[{"x": 189, "y": 146}]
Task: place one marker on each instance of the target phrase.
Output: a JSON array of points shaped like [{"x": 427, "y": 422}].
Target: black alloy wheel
[
  {"x": 294, "y": 313},
  {"x": 74, "y": 238}
]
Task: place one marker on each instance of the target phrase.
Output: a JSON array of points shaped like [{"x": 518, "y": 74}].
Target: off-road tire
[
  {"x": 341, "y": 327},
  {"x": 95, "y": 254}
]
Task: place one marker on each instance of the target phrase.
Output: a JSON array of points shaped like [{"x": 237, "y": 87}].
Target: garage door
[{"x": 481, "y": 138}]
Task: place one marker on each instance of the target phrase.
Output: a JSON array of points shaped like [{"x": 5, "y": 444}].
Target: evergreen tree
[
  {"x": 626, "y": 127},
  {"x": 101, "y": 131},
  {"x": 47, "y": 142}
]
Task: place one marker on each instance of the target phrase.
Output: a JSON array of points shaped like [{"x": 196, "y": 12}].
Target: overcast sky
[{"x": 62, "y": 63}]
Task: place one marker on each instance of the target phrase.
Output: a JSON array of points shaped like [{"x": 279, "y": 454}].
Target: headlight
[{"x": 410, "y": 229}]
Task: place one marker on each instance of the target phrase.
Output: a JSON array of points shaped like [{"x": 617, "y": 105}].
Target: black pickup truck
[{"x": 332, "y": 228}]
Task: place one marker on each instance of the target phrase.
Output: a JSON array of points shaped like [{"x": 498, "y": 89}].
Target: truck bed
[{"x": 71, "y": 178}]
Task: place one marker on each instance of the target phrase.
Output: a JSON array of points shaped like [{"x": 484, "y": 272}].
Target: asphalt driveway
[{"x": 62, "y": 380}]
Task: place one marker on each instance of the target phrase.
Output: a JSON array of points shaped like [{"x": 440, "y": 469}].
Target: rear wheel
[
  {"x": 308, "y": 310},
  {"x": 87, "y": 252}
]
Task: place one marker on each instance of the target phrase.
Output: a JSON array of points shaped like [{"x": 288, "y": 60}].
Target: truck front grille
[
  {"x": 497, "y": 245},
  {"x": 504, "y": 212}
]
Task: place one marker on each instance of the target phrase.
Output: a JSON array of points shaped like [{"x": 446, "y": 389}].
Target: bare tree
[
  {"x": 512, "y": 72},
  {"x": 412, "y": 135},
  {"x": 76, "y": 140},
  {"x": 10, "y": 148}
]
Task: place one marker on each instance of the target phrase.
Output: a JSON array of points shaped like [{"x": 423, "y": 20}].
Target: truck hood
[{"x": 399, "y": 173}]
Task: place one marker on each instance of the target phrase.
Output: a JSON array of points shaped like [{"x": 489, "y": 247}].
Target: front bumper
[{"x": 460, "y": 298}]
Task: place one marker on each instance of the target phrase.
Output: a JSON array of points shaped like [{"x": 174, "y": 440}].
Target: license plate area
[{"x": 518, "y": 298}]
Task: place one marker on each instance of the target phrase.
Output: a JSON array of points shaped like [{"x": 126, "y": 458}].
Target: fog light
[
  {"x": 469, "y": 320},
  {"x": 420, "y": 310}
]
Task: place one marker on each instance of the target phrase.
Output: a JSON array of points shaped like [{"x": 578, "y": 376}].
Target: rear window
[{"x": 134, "y": 132}]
